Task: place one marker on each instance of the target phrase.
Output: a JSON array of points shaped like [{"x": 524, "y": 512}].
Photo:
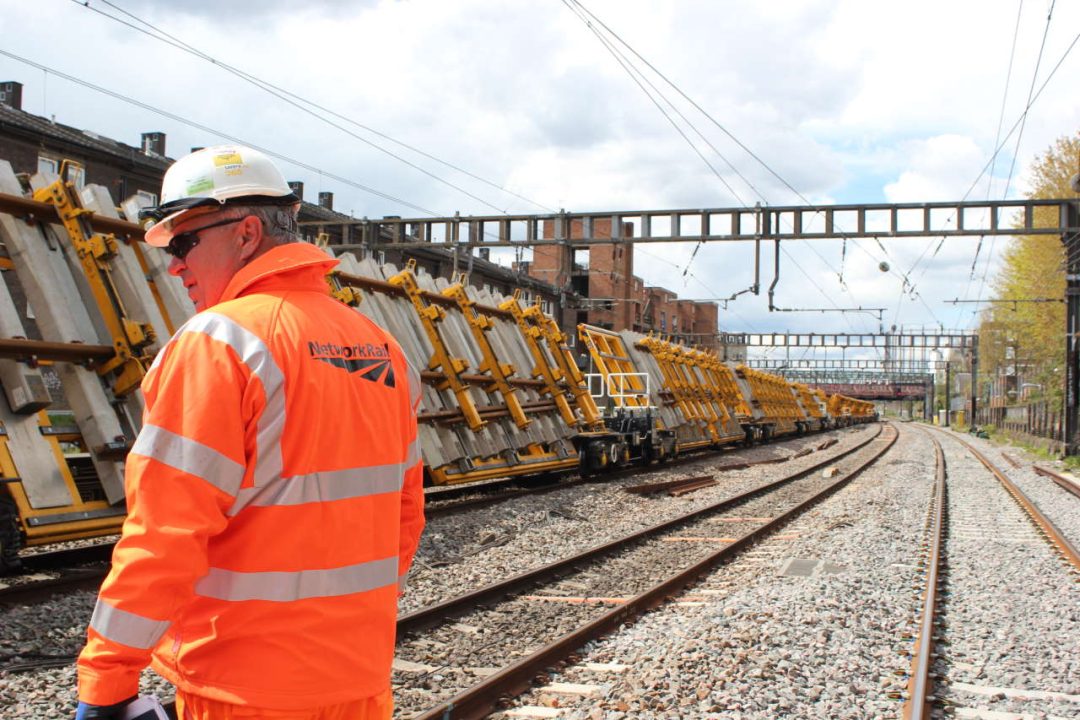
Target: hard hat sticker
[
  {"x": 230, "y": 162},
  {"x": 203, "y": 184},
  {"x": 228, "y": 158}
]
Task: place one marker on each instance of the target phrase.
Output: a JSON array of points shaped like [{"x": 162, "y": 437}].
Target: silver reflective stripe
[
  {"x": 299, "y": 585},
  {"x": 413, "y": 456},
  {"x": 256, "y": 355},
  {"x": 189, "y": 456},
  {"x": 324, "y": 486},
  {"x": 126, "y": 628}
]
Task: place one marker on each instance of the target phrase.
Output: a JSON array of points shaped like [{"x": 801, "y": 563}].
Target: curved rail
[
  {"x": 1065, "y": 548},
  {"x": 483, "y": 697},
  {"x": 1061, "y": 480},
  {"x": 425, "y": 617}
]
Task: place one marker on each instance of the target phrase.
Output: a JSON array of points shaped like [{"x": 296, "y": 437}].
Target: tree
[{"x": 1027, "y": 339}]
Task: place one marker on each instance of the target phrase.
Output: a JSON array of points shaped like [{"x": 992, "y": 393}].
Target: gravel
[
  {"x": 753, "y": 642},
  {"x": 1012, "y": 606},
  {"x": 458, "y": 553},
  {"x": 500, "y": 634},
  {"x": 1059, "y": 505}
]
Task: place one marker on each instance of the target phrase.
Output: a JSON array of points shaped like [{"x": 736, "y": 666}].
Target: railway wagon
[
  {"x": 502, "y": 397},
  {"x": 701, "y": 400},
  {"x": 849, "y": 411}
]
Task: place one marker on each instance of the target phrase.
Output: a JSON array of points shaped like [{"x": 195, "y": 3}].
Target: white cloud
[{"x": 843, "y": 99}]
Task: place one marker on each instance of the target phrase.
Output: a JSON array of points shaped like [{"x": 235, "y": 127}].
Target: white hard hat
[{"x": 211, "y": 177}]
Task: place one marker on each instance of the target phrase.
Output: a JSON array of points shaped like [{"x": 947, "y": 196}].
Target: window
[
  {"x": 46, "y": 166},
  {"x": 76, "y": 174},
  {"x": 663, "y": 321},
  {"x": 545, "y": 305},
  {"x": 149, "y": 197}
]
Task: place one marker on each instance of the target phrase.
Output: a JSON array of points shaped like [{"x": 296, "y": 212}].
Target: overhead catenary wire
[
  {"x": 712, "y": 120},
  {"x": 585, "y": 15},
  {"x": 620, "y": 59},
  {"x": 997, "y": 135},
  {"x": 218, "y": 133},
  {"x": 1016, "y": 150},
  {"x": 310, "y": 107},
  {"x": 998, "y": 149},
  {"x": 627, "y": 65}
]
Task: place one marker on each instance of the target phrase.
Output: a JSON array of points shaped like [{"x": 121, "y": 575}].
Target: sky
[{"x": 841, "y": 101}]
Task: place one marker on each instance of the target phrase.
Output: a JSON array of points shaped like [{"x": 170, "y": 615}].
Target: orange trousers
[{"x": 194, "y": 707}]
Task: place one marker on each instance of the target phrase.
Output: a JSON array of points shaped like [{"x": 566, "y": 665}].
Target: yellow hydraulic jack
[
  {"x": 430, "y": 316},
  {"x": 500, "y": 373},
  {"x": 95, "y": 250}
]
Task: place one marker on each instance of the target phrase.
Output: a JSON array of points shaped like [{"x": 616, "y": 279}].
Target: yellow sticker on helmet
[
  {"x": 230, "y": 162},
  {"x": 228, "y": 158}
]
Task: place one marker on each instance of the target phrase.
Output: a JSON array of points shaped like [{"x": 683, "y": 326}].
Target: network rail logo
[{"x": 371, "y": 361}]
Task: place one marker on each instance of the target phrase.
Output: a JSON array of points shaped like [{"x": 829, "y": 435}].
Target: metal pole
[
  {"x": 928, "y": 400},
  {"x": 948, "y": 381},
  {"x": 1072, "y": 326},
  {"x": 974, "y": 381}
]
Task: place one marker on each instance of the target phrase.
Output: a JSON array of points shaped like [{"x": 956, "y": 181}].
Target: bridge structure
[{"x": 1058, "y": 217}]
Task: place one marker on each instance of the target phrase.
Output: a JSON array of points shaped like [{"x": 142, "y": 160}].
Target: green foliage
[{"x": 1028, "y": 339}]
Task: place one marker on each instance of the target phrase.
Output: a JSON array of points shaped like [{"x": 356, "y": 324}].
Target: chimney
[
  {"x": 298, "y": 189},
  {"x": 153, "y": 143},
  {"x": 326, "y": 200},
  {"x": 11, "y": 94}
]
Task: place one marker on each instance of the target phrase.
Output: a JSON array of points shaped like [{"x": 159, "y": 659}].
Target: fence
[{"x": 1035, "y": 420}]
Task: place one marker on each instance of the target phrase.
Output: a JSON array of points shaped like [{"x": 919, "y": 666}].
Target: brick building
[
  {"x": 35, "y": 144},
  {"x": 606, "y": 293}
]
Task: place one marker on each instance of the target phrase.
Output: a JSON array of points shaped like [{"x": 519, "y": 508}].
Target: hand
[{"x": 86, "y": 711}]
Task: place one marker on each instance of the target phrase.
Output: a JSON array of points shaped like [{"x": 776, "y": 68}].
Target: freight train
[
  {"x": 505, "y": 393},
  {"x": 659, "y": 399}
]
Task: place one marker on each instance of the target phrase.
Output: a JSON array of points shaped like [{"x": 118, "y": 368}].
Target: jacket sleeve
[
  {"x": 181, "y": 477},
  {"x": 412, "y": 489}
]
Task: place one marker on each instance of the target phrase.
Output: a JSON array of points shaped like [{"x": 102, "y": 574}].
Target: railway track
[
  {"x": 937, "y": 679},
  {"x": 49, "y": 573},
  {"x": 1065, "y": 483},
  {"x": 470, "y": 639},
  {"x": 57, "y": 571},
  {"x": 453, "y": 500}
]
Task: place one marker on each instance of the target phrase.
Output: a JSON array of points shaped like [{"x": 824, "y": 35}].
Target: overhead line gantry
[{"x": 733, "y": 224}]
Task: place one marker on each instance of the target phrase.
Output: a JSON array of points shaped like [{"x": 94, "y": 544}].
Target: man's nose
[{"x": 175, "y": 264}]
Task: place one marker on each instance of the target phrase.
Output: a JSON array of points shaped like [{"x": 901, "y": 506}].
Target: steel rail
[
  {"x": 1060, "y": 543},
  {"x": 497, "y": 494},
  {"x": 1012, "y": 460},
  {"x": 1061, "y": 480},
  {"x": 482, "y": 698},
  {"x": 434, "y": 614},
  {"x": 62, "y": 560},
  {"x": 917, "y": 705},
  {"x": 40, "y": 590}
]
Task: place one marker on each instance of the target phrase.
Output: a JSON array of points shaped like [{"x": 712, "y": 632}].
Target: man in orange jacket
[{"x": 274, "y": 492}]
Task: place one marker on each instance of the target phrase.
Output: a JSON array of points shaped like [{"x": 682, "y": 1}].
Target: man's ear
[{"x": 251, "y": 236}]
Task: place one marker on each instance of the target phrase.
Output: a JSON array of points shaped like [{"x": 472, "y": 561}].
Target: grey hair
[{"x": 278, "y": 221}]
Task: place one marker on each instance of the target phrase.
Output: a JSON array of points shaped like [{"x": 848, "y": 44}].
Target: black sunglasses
[{"x": 182, "y": 243}]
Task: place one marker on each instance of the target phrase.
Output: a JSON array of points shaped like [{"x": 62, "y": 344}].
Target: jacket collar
[{"x": 295, "y": 266}]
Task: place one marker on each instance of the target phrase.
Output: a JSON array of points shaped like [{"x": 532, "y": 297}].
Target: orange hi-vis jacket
[{"x": 274, "y": 502}]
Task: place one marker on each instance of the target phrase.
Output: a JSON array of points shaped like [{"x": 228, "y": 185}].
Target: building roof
[{"x": 91, "y": 141}]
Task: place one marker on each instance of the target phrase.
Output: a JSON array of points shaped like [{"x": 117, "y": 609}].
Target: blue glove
[{"x": 86, "y": 711}]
